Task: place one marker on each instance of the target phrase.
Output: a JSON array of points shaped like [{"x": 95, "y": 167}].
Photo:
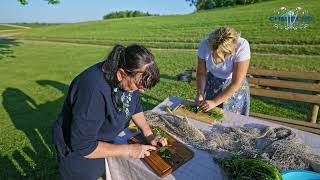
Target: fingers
[
  {"x": 148, "y": 147},
  {"x": 146, "y": 153},
  {"x": 204, "y": 106},
  {"x": 198, "y": 99},
  {"x": 154, "y": 142},
  {"x": 163, "y": 141},
  {"x": 146, "y": 150},
  {"x": 201, "y": 103},
  {"x": 138, "y": 151},
  {"x": 141, "y": 155}
]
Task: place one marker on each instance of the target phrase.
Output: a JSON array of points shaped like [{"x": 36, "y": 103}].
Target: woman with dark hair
[{"x": 100, "y": 102}]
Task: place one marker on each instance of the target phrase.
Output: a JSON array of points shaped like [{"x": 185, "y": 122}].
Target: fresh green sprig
[
  {"x": 165, "y": 153},
  {"x": 168, "y": 109},
  {"x": 158, "y": 132},
  {"x": 212, "y": 113},
  {"x": 241, "y": 169}
]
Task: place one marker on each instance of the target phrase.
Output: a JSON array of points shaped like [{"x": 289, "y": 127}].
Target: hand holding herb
[
  {"x": 163, "y": 151},
  {"x": 157, "y": 137},
  {"x": 207, "y": 105},
  {"x": 212, "y": 113}
]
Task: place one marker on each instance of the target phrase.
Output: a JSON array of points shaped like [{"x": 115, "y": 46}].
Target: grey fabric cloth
[{"x": 202, "y": 165}]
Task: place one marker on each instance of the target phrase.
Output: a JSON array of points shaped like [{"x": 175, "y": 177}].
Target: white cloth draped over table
[{"x": 201, "y": 166}]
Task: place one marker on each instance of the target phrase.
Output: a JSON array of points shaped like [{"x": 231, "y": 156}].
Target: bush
[
  {"x": 127, "y": 14},
  {"x": 210, "y": 4}
]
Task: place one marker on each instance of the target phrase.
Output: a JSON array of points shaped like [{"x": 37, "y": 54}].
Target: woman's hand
[
  {"x": 138, "y": 151},
  {"x": 154, "y": 140},
  {"x": 199, "y": 98},
  {"x": 207, "y": 105}
]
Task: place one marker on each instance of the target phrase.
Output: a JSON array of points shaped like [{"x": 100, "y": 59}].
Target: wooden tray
[
  {"x": 179, "y": 152},
  {"x": 200, "y": 116}
]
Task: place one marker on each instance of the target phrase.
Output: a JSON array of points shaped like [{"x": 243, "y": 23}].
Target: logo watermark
[{"x": 291, "y": 19}]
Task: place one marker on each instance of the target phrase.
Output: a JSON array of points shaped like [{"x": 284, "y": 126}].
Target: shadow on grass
[
  {"x": 149, "y": 105},
  {"x": 35, "y": 120},
  {"x": 168, "y": 77},
  {"x": 5, "y": 48},
  {"x": 295, "y": 106}
]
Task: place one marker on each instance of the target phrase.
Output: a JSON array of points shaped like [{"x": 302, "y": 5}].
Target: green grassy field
[
  {"x": 37, "y": 67},
  {"x": 4, "y": 27},
  {"x": 36, "y": 25},
  {"x": 12, "y": 27},
  {"x": 185, "y": 31}
]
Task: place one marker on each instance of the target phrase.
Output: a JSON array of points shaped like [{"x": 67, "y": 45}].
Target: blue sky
[{"x": 84, "y": 10}]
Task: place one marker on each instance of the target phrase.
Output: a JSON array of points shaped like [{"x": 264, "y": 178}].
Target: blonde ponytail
[{"x": 222, "y": 42}]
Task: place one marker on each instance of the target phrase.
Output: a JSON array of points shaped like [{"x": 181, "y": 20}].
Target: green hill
[{"x": 185, "y": 31}]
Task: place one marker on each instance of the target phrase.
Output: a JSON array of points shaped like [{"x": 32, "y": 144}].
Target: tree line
[
  {"x": 211, "y": 4},
  {"x": 127, "y": 14}
]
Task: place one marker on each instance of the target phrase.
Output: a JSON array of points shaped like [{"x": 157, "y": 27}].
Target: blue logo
[{"x": 291, "y": 19}]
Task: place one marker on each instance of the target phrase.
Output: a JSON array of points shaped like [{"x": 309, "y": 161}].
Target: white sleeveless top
[{"x": 224, "y": 70}]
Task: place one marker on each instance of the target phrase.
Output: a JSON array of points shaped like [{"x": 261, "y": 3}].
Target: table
[{"x": 201, "y": 166}]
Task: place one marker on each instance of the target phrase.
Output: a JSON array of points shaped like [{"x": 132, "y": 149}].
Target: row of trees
[
  {"x": 199, "y": 4},
  {"x": 126, "y": 14},
  {"x": 24, "y": 2},
  {"x": 210, "y": 4}
]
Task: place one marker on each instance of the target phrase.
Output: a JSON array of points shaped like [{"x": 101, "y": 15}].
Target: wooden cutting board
[
  {"x": 200, "y": 116},
  {"x": 180, "y": 154}
]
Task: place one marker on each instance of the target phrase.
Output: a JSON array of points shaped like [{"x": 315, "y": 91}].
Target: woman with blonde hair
[{"x": 223, "y": 61}]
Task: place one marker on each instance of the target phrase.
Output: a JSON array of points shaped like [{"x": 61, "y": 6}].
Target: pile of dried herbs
[
  {"x": 212, "y": 113},
  {"x": 277, "y": 145},
  {"x": 252, "y": 168}
]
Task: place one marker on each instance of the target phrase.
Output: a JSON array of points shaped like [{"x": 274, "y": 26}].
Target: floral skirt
[{"x": 238, "y": 103}]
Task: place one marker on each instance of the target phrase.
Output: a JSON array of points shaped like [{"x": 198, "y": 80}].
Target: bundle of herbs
[
  {"x": 253, "y": 168},
  {"x": 164, "y": 152},
  {"x": 212, "y": 113}
]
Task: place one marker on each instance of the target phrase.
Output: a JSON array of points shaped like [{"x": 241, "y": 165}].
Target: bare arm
[
  {"x": 238, "y": 76},
  {"x": 104, "y": 149},
  {"x": 109, "y": 150},
  {"x": 142, "y": 124},
  {"x": 201, "y": 79}
]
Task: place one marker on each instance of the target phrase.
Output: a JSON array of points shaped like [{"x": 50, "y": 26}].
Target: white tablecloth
[{"x": 201, "y": 166}]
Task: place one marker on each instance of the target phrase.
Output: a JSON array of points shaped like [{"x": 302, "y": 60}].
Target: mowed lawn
[
  {"x": 35, "y": 77},
  {"x": 34, "y": 80}
]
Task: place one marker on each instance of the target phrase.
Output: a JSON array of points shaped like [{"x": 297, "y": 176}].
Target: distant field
[
  {"x": 5, "y": 27},
  {"x": 36, "y": 25},
  {"x": 185, "y": 31}
]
